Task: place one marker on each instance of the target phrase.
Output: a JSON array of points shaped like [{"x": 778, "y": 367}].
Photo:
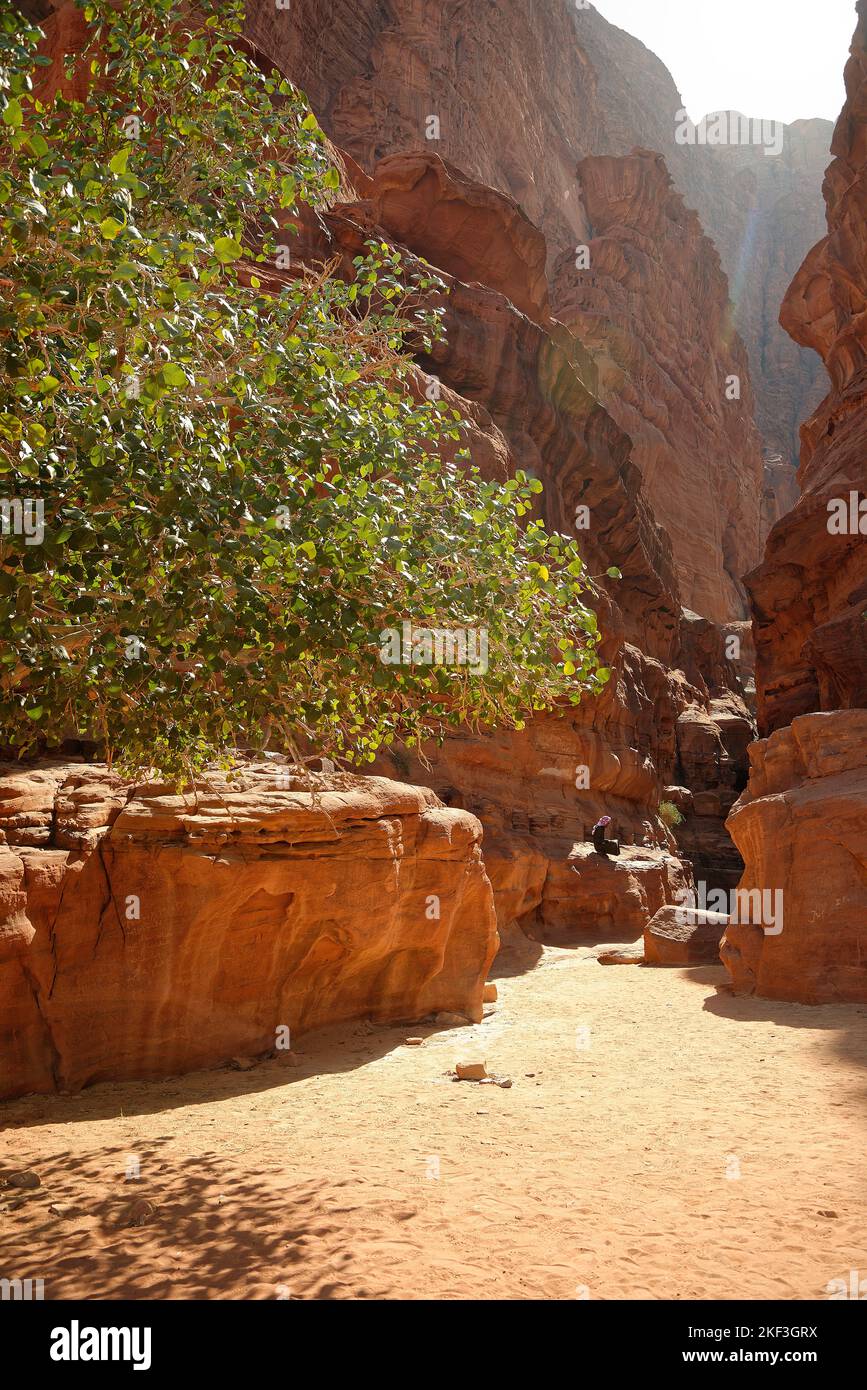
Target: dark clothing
[{"x": 601, "y": 845}]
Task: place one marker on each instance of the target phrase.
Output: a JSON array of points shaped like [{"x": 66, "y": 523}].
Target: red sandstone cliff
[
  {"x": 523, "y": 92},
  {"x": 802, "y": 824},
  {"x": 810, "y": 593},
  {"x": 530, "y": 389},
  {"x": 653, "y": 310}
]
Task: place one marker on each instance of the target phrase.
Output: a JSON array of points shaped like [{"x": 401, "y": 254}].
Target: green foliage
[
  {"x": 240, "y": 492},
  {"x": 669, "y": 814}
]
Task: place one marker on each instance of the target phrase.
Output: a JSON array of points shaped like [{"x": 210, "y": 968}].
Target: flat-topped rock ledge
[{"x": 145, "y": 933}]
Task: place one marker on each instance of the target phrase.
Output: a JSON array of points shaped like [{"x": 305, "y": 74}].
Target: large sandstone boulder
[
  {"x": 684, "y": 936},
  {"x": 802, "y": 829},
  {"x": 144, "y": 933}
]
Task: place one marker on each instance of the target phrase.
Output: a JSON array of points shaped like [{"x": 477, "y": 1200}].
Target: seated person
[{"x": 600, "y": 844}]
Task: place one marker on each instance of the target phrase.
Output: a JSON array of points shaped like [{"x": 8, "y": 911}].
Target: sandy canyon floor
[{"x": 661, "y": 1139}]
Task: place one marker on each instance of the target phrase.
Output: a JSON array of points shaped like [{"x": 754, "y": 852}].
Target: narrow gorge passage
[{"x": 655, "y": 1143}]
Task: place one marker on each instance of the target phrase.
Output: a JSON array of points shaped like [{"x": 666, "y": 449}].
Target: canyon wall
[
  {"x": 522, "y": 93},
  {"x": 802, "y": 824},
  {"x": 144, "y": 933},
  {"x": 675, "y": 708},
  {"x": 802, "y": 830},
  {"x": 589, "y": 341},
  {"x": 653, "y": 311},
  {"x": 607, "y": 381}
]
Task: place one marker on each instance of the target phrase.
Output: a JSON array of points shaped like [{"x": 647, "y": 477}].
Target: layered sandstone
[
  {"x": 522, "y": 93},
  {"x": 810, "y": 594},
  {"x": 802, "y": 830},
  {"x": 534, "y": 400},
  {"x": 144, "y": 933},
  {"x": 801, "y": 823},
  {"x": 652, "y": 308}
]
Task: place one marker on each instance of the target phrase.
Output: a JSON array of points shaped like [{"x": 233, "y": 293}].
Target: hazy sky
[{"x": 781, "y": 59}]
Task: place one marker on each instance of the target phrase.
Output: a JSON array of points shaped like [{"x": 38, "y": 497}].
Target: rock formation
[
  {"x": 802, "y": 830},
  {"x": 144, "y": 933},
  {"x": 653, "y": 310},
  {"x": 591, "y": 342},
  {"x": 566, "y": 394},
  {"x": 520, "y": 94},
  {"x": 684, "y": 936},
  {"x": 810, "y": 594},
  {"x": 801, "y": 825},
  {"x": 532, "y": 393}
]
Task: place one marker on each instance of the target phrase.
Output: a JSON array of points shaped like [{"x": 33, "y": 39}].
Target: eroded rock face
[
  {"x": 532, "y": 394},
  {"x": 522, "y": 93},
  {"x": 144, "y": 933},
  {"x": 611, "y": 387},
  {"x": 617, "y": 894},
  {"x": 802, "y": 830},
  {"x": 802, "y": 823},
  {"x": 653, "y": 310},
  {"x": 462, "y": 227},
  {"x": 810, "y": 594},
  {"x": 763, "y": 212},
  {"x": 525, "y": 384}
]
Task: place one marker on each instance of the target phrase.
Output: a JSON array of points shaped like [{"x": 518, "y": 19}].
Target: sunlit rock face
[
  {"x": 523, "y": 92},
  {"x": 534, "y": 397},
  {"x": 802, "y": 823},
  {"x": 810, "y": 593},
  {"x": 144, "y": 933},
  {"x": 802, "y": 830}
]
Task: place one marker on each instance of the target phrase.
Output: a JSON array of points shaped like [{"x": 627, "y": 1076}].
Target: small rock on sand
[
  {"x": 623, "y": 955},
  {"x": 470, "y": 1071},
  {"x": 490, "y": 993},
  {"x": 414, "y": 1042}
]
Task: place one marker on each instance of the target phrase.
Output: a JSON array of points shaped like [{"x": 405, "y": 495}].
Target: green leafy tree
[{"x": 239, "y": 490}]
